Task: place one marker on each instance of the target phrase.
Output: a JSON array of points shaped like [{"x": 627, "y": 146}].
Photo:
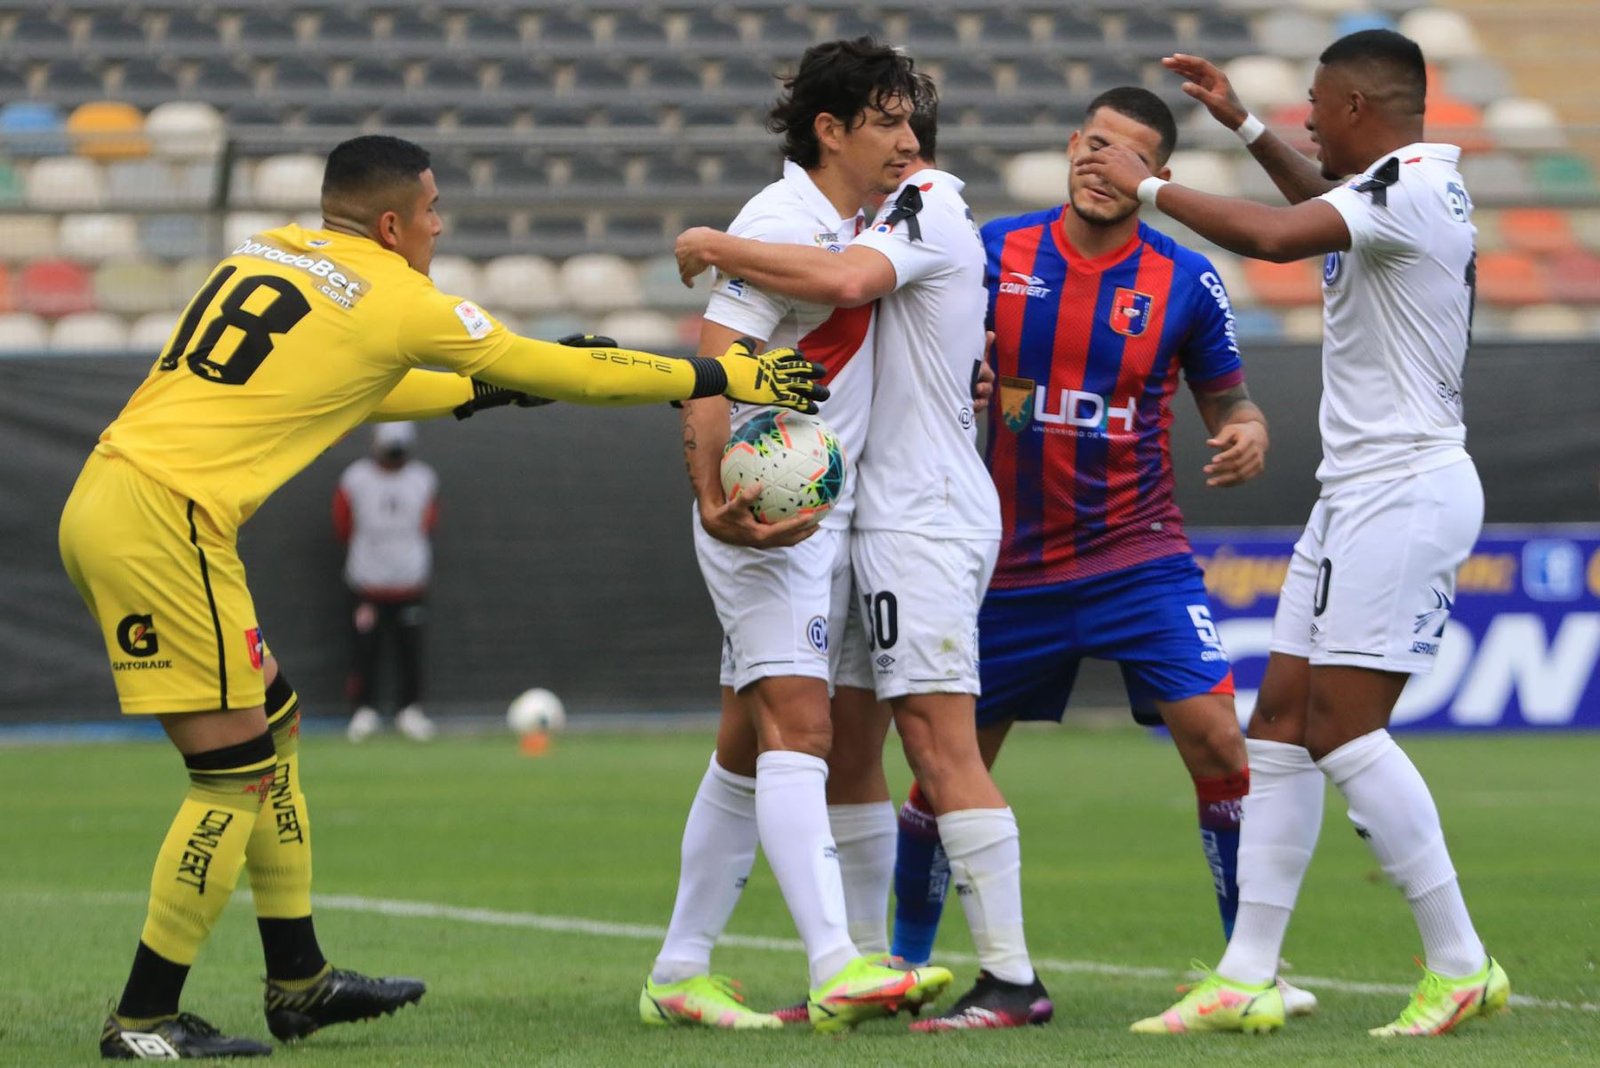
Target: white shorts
[
  {"x": 920, "y": 598},
  {"x": 1373, "y": 578},
  {"x": 785, "y": 611}
]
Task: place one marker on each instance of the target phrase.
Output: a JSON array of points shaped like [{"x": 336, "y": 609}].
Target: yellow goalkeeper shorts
[{"x": 168, "y": 590}]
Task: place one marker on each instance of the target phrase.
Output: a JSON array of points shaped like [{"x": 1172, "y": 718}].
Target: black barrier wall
[{"x": 563, "y": 553}]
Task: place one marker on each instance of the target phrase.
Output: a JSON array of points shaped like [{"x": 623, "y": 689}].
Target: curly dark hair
[{"x": 843, "y": 79}]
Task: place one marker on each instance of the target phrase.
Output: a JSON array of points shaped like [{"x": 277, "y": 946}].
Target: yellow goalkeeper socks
[
  {"x": 196, "y": 870},
  {"x": 278, "y": 857}
]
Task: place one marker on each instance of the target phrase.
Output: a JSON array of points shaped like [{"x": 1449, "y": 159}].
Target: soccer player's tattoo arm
[
  {"x": 1297, "y": 176},
  {"x": 1238, "y": 433},
  {"x": 1232, "y": 405}
]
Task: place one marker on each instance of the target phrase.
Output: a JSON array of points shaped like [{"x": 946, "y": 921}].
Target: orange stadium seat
[
  {"x": 54, "y": 288},
  {"x": 1536, "y": 230},
  {"x": 1574, "y": 277},
  {"x": 108, "y": 129},
  {"x": 1456, "y": 122},
  {"x": 1511, "y": 278},
  {"x": 1284, "y": 284}
]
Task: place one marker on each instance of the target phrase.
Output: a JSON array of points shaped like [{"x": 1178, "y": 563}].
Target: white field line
[{"x": 428, "y": 910}]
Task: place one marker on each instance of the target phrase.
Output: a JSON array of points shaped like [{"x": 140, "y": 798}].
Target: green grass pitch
[{"x": 530, "y": 893}]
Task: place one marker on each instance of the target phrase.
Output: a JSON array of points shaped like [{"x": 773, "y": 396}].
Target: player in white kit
[
  {"x": 926, "y": 533},
  {"x": 1373, "y": 577},
  {"x": 783, "y": 591}
]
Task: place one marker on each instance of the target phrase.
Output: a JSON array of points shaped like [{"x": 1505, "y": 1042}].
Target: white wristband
[
  {"x": 1251, "y": 129},
  {"x": 1149, "y": 188}
]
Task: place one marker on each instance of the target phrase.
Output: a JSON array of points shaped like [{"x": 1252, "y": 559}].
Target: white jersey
[
  {"x": 390, "y": 512},
  {"x": 1397, "y": 312},
  {"x": 921, "y": 472},
  {"x": 793, "y": 211}
]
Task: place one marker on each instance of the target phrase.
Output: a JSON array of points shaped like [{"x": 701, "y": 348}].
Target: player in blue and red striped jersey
[{"x": 1095, "y": 316}]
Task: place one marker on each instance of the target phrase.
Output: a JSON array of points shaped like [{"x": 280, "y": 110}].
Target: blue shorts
[{"x": 1153, "y": 620}]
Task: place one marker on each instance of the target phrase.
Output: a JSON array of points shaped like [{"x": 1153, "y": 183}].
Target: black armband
[{"x": 710, "y": 377}]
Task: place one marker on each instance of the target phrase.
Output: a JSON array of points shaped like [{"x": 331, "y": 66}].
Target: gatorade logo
[{"x": 136, "y": 635}]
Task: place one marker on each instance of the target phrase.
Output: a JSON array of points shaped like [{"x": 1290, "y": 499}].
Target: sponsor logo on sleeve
[{"x": 473, "y": 318}]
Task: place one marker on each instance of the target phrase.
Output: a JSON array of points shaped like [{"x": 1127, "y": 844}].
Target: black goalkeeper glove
[{"x": 487, "y": 395}]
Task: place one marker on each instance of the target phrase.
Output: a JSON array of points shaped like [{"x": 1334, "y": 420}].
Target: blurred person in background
[{"x": 384, "y": 511}]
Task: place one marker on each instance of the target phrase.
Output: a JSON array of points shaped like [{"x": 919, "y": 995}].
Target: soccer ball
[
  {"x": 536, "y": 711},
  {"x": 795, "y": 458}
]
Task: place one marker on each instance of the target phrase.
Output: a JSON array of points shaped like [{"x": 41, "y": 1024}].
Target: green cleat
[
  {"x": 1440, "y": 1003},
  {"x": 865, "y": 989},
  {"x": 1218, "y": 1004},
  {"x": 703, "y": 1001}
]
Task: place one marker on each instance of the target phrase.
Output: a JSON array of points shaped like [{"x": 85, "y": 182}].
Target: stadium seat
[
  {"x": 477, "y": 116},
  {"x": 931, "y": 29},
  {"x": 214, "y": 78},
  {"x": 1476, "y": 79},
  {"x": 289, "y": 181},
  {"x": 370, "y": 75},
  {"x": 457, "y": 76},
  {"x": 410, "y": 29},
  {"x": 1289, "y": 123},
  {"x": 671, "y": 173},
  {"x": 34, "y": 29},
  {"x": 1209, "y": 172},
  {"x": 343, "y": 33},
  {"x": 174, "y": 237},
  {"x": 1149, "y": 32},
  {"x": 641, "y": 328},
  {"x": 23, "y": 334},
  {"x": 1036, "y": 75},
  {"x": 1291, "y": 33},
  {"x": 526, "y": 76},
  {"x": 29, "y": 237},
  {"x": 187, "y": 34},
  {"x": 1076, "y": 34},
  {"x": 66, "y": 183},
  {"x": 482, "y": 28},
  {"x": 674, "y": 76},
  {"x": 1561, "y": 174},
  {"x": 1442, "y": 34},
  {"x": 13, "y": 184},
  {"x": 340, "y": 113},
  {"x": 1229, "y": 268},
  {"x": 1249, "y": 177},
  {"x": 786, "y": 34},
  {"x": 1004, "y": 29},
  {"x": 1285, "y": 284},
  {"x": 108, "y": 129},
  {"x": 189, "y": 276},
  {"x": 241, "y": 225},
  {"x": 660, "y": 287},
  {"x": 634, "y": 28},
  {"x": 53, "y": 288},
  {"x": 598, "y": 282},
  {"x": 475, "y": 234},
  {"x": 93, "y": 331},
  {"x": 13, "y": 79},
  {"x": 1574, "y": 277},
  {"x": 1265, "y": 82},
  {"x": 185, "y": 129},
  {"x": 560, "y": 30},
  {"x": 1495, "y": 177},
  {"x": 146, "y": 78},
  {"x": 90, "y": 237},
  {"x": 1217, "y": 34},
  {"x": 521, "y": 283},
  {"x": 410, "y": 114},
  {"x": 1038, "y": 179},
  {"x": 33, "y": 128},
  {"x": 854, "y": 24},
  {"x": 150, "y": 332},
  {"x": 456, "y": 275},
  {"x": 1510, "y": 278},
  {"x": 1539, "y": 231},
  {"x": 1257, "y": 324},
  {"x": 752, "y": 74},
  {"x": 293, "y": 74},
  {"x": 557, "y": 324},
  {"x": 262, "y": 27},
  {"x": 708, "y": 30},
  {"x": 1521, "y": 123},
  {"x": 1547, "y": 322},
  {"x": 132, "y": 286},
  {"x": 1456, "y": 122},
  {"x": 70, "y": 80}
]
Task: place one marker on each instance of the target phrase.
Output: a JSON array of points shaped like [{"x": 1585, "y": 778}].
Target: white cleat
[
  {"x": 364, "y": 724},
  {"x": 1296, "y": 1001},
  {"x": 414, "y": 723}
]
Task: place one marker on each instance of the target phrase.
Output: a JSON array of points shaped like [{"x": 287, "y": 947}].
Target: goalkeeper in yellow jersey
[{"x": 298, "y": 336}]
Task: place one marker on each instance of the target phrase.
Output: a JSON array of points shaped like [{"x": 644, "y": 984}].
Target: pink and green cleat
[
  {"x": 1439, "y": 1003},
  {"x": 866, "y": 989},
  {"x": 702, "y": 1001},
  {"x": 1218, "y": 1004}
]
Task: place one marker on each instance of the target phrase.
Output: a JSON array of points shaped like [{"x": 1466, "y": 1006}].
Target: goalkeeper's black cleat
[
  {"x": 172, "y": 1038},
  {"x": 339, "y": 996}
]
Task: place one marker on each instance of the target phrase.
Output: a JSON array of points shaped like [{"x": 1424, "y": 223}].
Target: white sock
[
  {"x": 719, "y": 847},
  {"x": 1393, "y": 810},
  {"x": 1282, "y": 816},
  {"x": 986, "y": 870},
  {"x": 792, "y": 812},
  {"x": 866, "y": 836}
]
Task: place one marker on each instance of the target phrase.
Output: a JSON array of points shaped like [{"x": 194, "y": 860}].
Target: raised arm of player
[
  {"x": 1296, "y": 176},
  {"x": 1311, "y": 228},
  {"x": 845, "y": 279},
  {"x": 706, "y": 429},
  {"x": 1238, "y": 430}
]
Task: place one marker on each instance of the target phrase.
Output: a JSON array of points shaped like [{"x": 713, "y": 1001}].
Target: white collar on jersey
[
  {"x": 1432, "y": 149},
  {"x": 928, "y": 175},
  {"x": 811, "y": 196}
]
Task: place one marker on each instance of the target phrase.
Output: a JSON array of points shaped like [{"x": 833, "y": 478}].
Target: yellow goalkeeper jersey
[{"x": 292, "y": 342}]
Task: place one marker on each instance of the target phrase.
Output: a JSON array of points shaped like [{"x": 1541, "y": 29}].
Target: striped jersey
[{"x": 1087, "y": 353}]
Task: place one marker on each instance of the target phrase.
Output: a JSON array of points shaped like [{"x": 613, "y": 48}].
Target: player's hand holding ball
[{"x": 778, "y": 376}]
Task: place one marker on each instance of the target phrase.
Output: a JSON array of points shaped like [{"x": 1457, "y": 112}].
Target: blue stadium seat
[
  {"x": 486, "y": 116},
  {"x": 1217, "y": 34},
  {"x": 965, "y": 76},
  {"x": 33, "y": 128},
  {"x": 852, "y": 24},
  {"x": 112, "y": 33},
  {"x": 258, "y": 113},
  {"x": 930, "y": 29},
  {"x": 750, "y": 74},
  {"x": 636, "y": 29},
  {"x": 451, "y": 174},
  {"x": 672, "y": 172},
  {"x": 454, "y": 76},
  {"x": 1149, "y": 33},
  {"x": 637, "y": 113},
  {"x": 214, "y": 76},
  {"x": 188, "y": 34},
  {"x": 341, "y": 32},
  {"x": 416, "y": 114},
  {"x": 560, "y": 29},
  {"x": 35, "y": 30},
  {"x": 269, "y": 31},
  {"x": 483, "y": 28},
  {"x": 294, "y": 73},
  {"x": 1004, "y": 29},
  {"x": 372, "y": 75},
  {"x": 1037, "y": 75},
  {"x": 526, "y": 76},
  {"x": 706, "y": 32},
  {"x": 674, "y": 76},
  {"x": 70, "y": 81},
  {"x": 749, "y": 170},
  {"x": 599, "y": 74},
  {"x": 146, "y": 77},
  {"x": 518, "y": 171},
  {"x": 13, "y": 81},
  {"x": 335, "y": 113},
  {"x": 785, "y": 33},
  {"x": 562, "y": 114},
  {"x": 1077, "y": 35}
]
